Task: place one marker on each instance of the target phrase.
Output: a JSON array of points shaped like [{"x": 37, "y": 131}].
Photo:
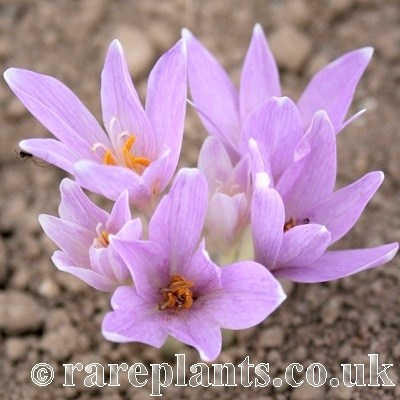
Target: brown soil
[{"x": 51, "y": 317}]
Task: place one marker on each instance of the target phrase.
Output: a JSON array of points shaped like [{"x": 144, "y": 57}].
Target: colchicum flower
[
  {"x": 178, "y": 290},
  {"x": 141, "y": 148},
  {"x": 82, "y": 233},
  {"x": 296, "y": 217},
  {"x": 223, "y": 109}
]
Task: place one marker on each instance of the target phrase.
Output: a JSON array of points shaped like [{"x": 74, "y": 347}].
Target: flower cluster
[{"x": 262, "y": 200}]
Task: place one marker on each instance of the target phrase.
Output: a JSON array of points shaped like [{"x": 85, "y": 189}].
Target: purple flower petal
[
  {"x": 200, "y": 270},
  {"x": 147, "y": 264},
  {"x": 136, "y": 321},
  {"x": 212, "y": 90},
  {"x": 267, "y": 221},
  {"x": 260, "y": 76},
  {"x": 51, "y": 151},
  {"x": 340, "y": 263},
  {"x": 111, "y": 181},
  {"x": 332, "y": 89},
  {"x": 198, "y": 329},
  {"x": 58, "y": 109},
  {"x": 303, "y": 244},
  {"x": 249, "y": 294},
  {"x": 100, "y": 282},
  {"x": 121, "y": 107},
  {"x": 132, "y": 230},
  {"x": 120, "y": 213},
  {"x": 76, "y": 207},
  {"x": 276, "y": 126},
  {"x": 166, "y": 100},
  {"x": 179, "y": 218},
  {"x": 342, "y": 209},
  {"x": 318, "y": 174},
  {"x": 71, "y": 238}
]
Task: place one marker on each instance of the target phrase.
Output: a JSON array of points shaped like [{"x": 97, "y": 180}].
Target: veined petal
[
  {"x": 200, "y": 270},
  {"x": 76, "y": 207},
  {"x": 214, "y": 162},
  {"x": 179, "y": 218},
  {"x": 132, "y": 230},
  {"x": 343, "y": 208},
  {"x": 332, "y": 89},
  {"x": 120, "y": 213},
  {"x": 318, "y": 175},
  {"x": 249, "y": 294},
  {"x": 267, "y": 221},
  {"x": 276, "y": 126},
  {"x": 136, "y": 321},
  {"x": 303, "y": 244},
  {"x": 212, "y": 90},
  {"x": 260, "y": 76},
  {"x": 340, "y": 263},
  {"x": 51, "y": 151},
  {"x": 199, "y": 329},
  {"x": 111, "y": 181},
  {"x": 166, "y": 99},
  {"x": 121, "y": 107},
  {"x": 258, "y": 162},
  {"x": 71, "y": 238},
  {"x": 58, "y": 109},
  {"x": 98, "y": 281},
  {"x": 149, "y": 268}
]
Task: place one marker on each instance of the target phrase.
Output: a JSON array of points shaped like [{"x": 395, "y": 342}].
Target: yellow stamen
[
  {"x": 102, "y": 240},
  {"x": 178, "y": 294},
  {"x": 289, "y": 225},
  {"x": 108, "y": 158}
]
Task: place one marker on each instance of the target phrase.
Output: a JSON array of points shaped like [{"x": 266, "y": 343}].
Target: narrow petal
[
  {"x": 58, "y": 109},
  {"x": 148, "y": 266},
  {"x": 76, "y": 207},
  {"x": 260, "y": 76},
  {"x": 343, "y": 208},
  {"x": 137, "y": 321},
  {"x": 332, "y": 89},
  {"x": 84, "y": 273},
  {"x": 132, "y": 230},
  {"x": 258, "y": 162},
  {"x": 120, "y": 213},
  {"x": 71, "y": 238},
  {"x": 340, "y": 263},
  {"x": 200, "y": 270},
  {"x": 318, "y": 175},
  {"x": 111, "y": 181},
  {"x": 198, "y": 329},
  {"x": 276, "y": 126},
  {"x": 212, "y": 90},
  {"x": 121, "y": 107},
  {"x": 179, "y": 218},
  {"x": 303, "y": 244},
  {"x": 51, "y": 151},
  {"x": 214, "y": 162},
  {"x": 166, "y": 100},
  {"x": 267, "y": 221},
  {"x": 249, "y": 294}
]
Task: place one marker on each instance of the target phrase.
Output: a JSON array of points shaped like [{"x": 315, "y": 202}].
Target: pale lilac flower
[
  {"x": 141, "y": 148},
  {"x": 295, "y": 218},
  {"x": 178, "y": 290},
  {"x": 230, "y": 195},
  {"x": 82, "y": 233},
  {"x": 223, "y": 109}
]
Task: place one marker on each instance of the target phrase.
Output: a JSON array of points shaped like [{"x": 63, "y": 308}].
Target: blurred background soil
[{"x": 49, "y": 316}]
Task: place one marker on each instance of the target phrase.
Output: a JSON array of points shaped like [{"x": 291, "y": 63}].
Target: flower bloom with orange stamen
[
  {"x": 82, "y": 233},
  {"x": 139, "y": 150},
  {"x": 178, "y": 290}
]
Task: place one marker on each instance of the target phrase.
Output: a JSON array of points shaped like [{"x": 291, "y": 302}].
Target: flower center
[
  {"x": 122, "y": 154},
  {"x": 292, "y": 223},
  {"x": 178, "y": 294}
]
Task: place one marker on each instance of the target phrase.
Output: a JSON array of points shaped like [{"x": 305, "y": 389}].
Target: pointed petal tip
[
  {"x": 186, "y": 34},
  {"x": 258, "y": 29},
  {"x": 367, "y": 51},
  {"x": 263, "y": 181}
]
